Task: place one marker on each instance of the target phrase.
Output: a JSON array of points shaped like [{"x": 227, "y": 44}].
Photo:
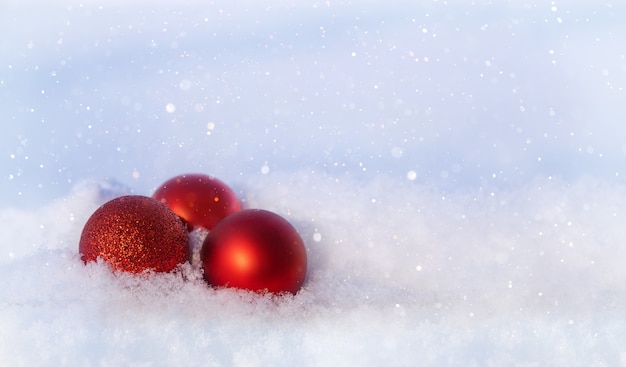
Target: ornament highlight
[
  {"x": 135, "y": 234},
  {"x": 256, "y": 250},
  {"x": 199, "y": 200}
]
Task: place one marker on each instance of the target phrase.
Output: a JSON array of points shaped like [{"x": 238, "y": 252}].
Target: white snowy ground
[{"x": 455, "y": 169}]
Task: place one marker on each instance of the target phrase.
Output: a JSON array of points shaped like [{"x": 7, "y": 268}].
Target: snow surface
[{"x": 455, "y": 169}]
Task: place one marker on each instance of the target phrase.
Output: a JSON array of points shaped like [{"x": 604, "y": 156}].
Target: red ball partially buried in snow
[
  {"x": 135, "y": 234},
  {"x": 256, "y": 250},
  {"x": 200, "y": 200}
]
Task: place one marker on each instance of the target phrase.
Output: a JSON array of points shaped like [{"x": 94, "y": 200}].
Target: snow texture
[{"x": 456, "y": 170}]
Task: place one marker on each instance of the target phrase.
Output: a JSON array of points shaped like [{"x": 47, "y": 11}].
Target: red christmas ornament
[
  {"x": 200, "y": 200},
  {"x": 135, "y": 234},
  {"x": 256, "y": 250}
]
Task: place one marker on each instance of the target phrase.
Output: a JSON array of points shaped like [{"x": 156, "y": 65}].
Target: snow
[{"x": 455, "y": 169}]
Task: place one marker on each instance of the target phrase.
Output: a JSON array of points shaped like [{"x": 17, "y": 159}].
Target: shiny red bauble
[
  {"x": 200, "y": 200},
  {"x": 135, "y": 234},
  {"x": 256, "y": 250}
]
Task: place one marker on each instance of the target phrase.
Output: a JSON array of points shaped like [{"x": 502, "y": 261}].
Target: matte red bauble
[
  {"x": 200, "y": 200},
  {"x": 135, "y": 234},
  {"x": 256, "y": 250}
]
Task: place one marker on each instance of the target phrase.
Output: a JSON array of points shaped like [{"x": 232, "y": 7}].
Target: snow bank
[{"x": 398, "y": 274}]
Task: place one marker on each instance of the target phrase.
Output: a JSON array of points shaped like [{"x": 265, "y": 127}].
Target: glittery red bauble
[
  {"x": 256, "y": 250},
  {"x": 200, "y": 200},
  {"x": 135, "y": 234}
]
